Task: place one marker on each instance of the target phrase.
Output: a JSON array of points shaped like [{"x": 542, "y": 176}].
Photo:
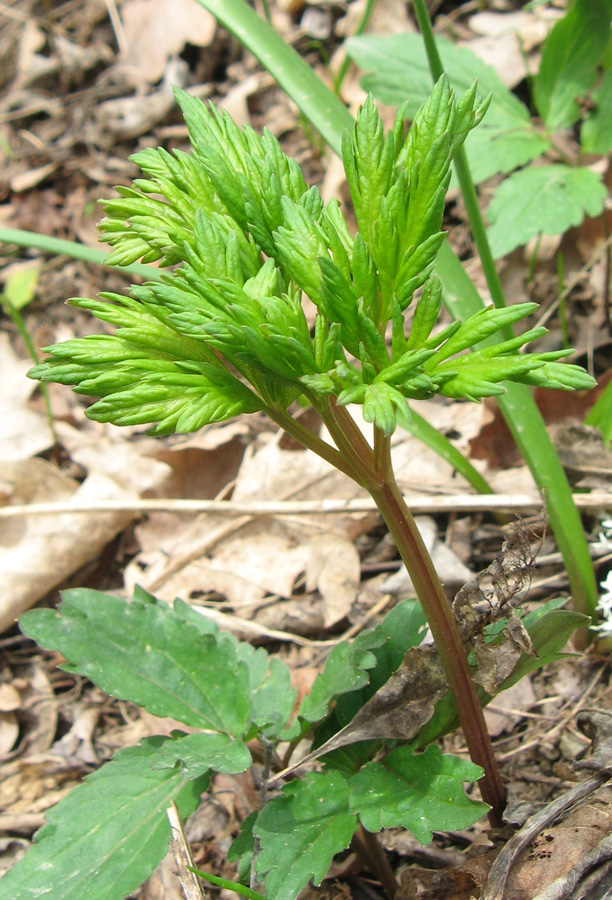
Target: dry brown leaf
[
  {"x": 37, "y": 553},
  {"x": 24, "y": 432},
  {"x": 334, "y": 568},
  {"x": 156, "y": 30}
]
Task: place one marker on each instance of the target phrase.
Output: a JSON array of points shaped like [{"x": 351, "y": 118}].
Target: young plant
[
  {"x": 571, "y": 90},
  {"x": 225, "y": 334}
]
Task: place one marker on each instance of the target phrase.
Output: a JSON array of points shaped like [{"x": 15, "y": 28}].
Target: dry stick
[
  {"x": 500, "y": 869},
  {"x": 182, "y": 855},
  {"x": 419, "y": 505}
]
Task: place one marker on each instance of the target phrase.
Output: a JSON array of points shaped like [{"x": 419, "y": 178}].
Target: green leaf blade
[
  {"x": 147, "y": 654},
  {"x": 569, "y": 63},
  {"x": 422, "y": 792},
  {"x": 547, "y": 199},
  {"x": 106, "y": 837},
  {"x": 301, "y": 832}
]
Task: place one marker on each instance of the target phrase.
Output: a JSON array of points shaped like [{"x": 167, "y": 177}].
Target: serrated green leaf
[
  {"x": 201, "y": 752},
  {"x": 422, "y": 792},
  {"x": 596, "y": 131},
  {"x": 301, "y": 832},
  {"x": 398, "y": 71},
  {"x": 149, "y": 655},
  {"x": 106, "y": 837},
  {"x": 570, "y": 57},
  {"x": 345, "y": 670},
  {"x": 242, "y": 847},
  {"x": 544, "y": 199}
]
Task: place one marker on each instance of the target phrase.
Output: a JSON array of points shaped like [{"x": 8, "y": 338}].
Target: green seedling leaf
[
  {"x": 20, "y": 287},
  {"x": 198, "y": 753},
  {"x": 546, "y": 199},
  {"x": 145, "y": 653},
  {"x": 398, "y": 71},
  {"x": 107, "y": 836},
  {"x": 301, "y": 832},
  {"x": 596, "y": 131},
  {"x": 241, "y": 851},
  {"x": 345, "y": 670},
  {"x": 569, "y": 63},
  {"x": 270, "y": 692},
  {"x": 422, "y": 792}
]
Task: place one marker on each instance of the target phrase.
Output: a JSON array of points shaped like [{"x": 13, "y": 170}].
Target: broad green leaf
[
  {"x": 301, "y": 831},
  {"x": 544, "y": 199},
  {"x": 345, "y": 670},
  {"x": 569, "y": 63},
  {"x": 596, "y": 131},
  {"x": 241, "y": 850},
  {"x": 270, "y": 692},
  {"x": 147, "y": 654},
  {"x": 397, "y": 71},
  {"x": 402, "y": 628},
  {"x": 422, "y": 792},
  {"x": 198, "y": 753},
  {"x": 106, "y": 837}
]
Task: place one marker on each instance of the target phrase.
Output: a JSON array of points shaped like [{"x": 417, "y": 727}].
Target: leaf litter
[{"x": 71, "y": 114}]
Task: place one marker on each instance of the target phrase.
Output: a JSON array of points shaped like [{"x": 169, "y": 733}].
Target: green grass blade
[{"x": 60, "y": 247}]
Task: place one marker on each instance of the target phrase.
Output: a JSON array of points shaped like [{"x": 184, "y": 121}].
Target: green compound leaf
[
  {"x": 422, "y": 792},
  {"x": 143, "y": 652},
  {"x": 398, "y": 71},
  {"x": 546, "y": 199},
  {"x": 301, "y": 832},
  {"x": 569, "y": 63},
  {"x": 199, "y": 753},
  {"x": 107, "y": 836}
]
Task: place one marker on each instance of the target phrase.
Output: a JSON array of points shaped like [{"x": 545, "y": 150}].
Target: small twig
[
  {"x": 182, "y": 854},
  {"x": 533, "y": 826},
  {"x": 419, "y": 505},
  {"x": 268, "y": 753}
]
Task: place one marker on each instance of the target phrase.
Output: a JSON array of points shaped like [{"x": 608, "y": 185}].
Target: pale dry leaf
[
  {"x": 504, "y": 713},
  {"x": 334, "y": 568},
  {"x": 10, "y": 698},
  {"x": 38, "y": 552},
  {"x": 129, "y": 117},
  {"x": 9, "y": 732},
  {"x": 156, "y": 30},
  {"x": 24, "y": 432}
]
